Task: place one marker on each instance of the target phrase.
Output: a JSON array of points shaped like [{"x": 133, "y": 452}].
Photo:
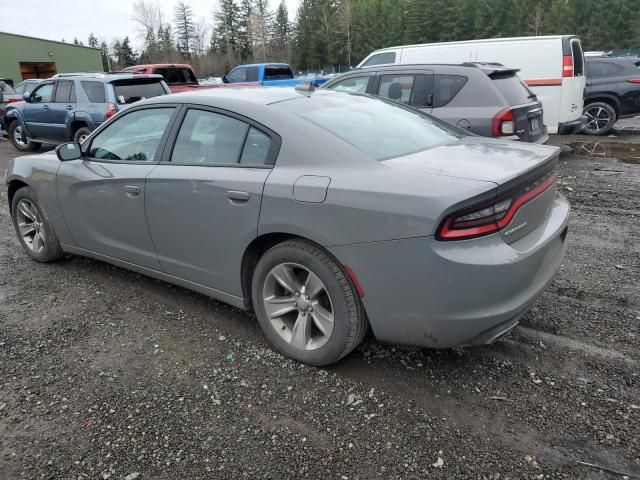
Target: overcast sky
[{"x": 107, "y": 19}]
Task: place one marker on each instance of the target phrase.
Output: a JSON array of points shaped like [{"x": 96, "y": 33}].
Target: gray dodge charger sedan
[{"x": 323, "y": 212}]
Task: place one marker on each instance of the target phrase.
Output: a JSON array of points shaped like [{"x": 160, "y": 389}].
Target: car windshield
[
  {"x": 379, "y": 128},
  {"x": 131, "y": 91}
]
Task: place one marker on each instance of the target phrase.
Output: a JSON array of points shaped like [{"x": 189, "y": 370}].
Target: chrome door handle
[
  {"x": 132, "y": 190},
  {"x": 238, "y": 196}
]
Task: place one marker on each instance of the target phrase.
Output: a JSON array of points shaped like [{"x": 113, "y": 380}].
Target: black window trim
[
  {"x": 86, "y": 146},
  {"x": 272, "y": 156}
]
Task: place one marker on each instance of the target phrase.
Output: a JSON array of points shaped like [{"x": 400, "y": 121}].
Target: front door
[
  {"x": 37, "y": 111},
  {"x": 103, "y": 194},
  {"x": 203, "y": 200}
]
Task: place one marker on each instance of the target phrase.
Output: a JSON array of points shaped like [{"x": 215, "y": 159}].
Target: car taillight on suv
[
  {"x": 490, "y": 217},
  {"x": 111, "y": 111},
  {"x": 503, "y": 123}
]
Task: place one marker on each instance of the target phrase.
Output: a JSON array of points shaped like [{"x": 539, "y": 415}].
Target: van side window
[
  {"x": 578, "y": 58},
  {"x": 381, "y": 59},
  {"x": 446, "y": 87}
]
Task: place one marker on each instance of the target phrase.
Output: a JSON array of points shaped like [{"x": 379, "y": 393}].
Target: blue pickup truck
[{"x": 269, "y": 75}]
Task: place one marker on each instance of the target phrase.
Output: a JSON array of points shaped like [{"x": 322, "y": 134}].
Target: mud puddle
[{"x": 623, "y": 152}]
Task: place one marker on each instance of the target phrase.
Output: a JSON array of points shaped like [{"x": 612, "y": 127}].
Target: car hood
[{"x": 478, "y": 158}]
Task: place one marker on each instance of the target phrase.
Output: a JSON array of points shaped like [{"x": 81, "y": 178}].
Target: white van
[{"x": 552, "y": 66}]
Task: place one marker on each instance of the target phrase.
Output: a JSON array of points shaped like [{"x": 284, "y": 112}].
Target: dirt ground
[{"x": 108, "y": 374}]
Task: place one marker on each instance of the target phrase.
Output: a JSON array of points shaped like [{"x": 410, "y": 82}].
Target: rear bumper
[
  {"x": 421, "y": 291},
  {"x": 574, "y": 126}
]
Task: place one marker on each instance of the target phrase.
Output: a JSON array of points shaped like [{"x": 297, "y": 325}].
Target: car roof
[
  {"x": 506, "y": 39},
  {"x": 107, "y": 77},
  {"x": 270, "y": 64},
  {"x": 159, "y": 65}
]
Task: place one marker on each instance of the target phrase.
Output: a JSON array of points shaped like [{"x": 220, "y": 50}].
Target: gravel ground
[{"x": 108, "y": 374}]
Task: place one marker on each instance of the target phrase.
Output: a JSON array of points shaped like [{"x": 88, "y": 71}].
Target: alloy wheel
[
  {"x": 17, "y": 136},
  {"x": 597, "y": 118},
  {"x": 298, "y": 306},
  {"x": 30, "y": 225}
]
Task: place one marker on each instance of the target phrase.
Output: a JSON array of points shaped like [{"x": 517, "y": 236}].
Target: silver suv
[{"x": 486, "y": 99}]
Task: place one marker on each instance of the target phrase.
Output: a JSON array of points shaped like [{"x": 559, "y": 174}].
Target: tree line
[{"x": 332, "y": 35}]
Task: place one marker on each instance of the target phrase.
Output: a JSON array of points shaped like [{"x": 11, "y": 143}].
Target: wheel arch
[
  {"x": 603, "y": 98},
  {"x": 12, "y": 188}
]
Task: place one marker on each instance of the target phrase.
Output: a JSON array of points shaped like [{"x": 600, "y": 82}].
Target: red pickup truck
[{"x": 179, "y": 77}]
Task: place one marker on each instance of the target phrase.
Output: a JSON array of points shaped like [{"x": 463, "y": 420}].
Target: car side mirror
[
  {"x": 225, "y": 79},
  {"x": 68, "y": 151},
  {"x": 26, "y": 96}
]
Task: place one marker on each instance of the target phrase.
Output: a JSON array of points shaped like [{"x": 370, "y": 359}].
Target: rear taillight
[
  {"x": 111, "y": 111},
  {"x": 487, "y": 218},
  {"x": 567, "y": 66},
  {"x": 503, "y": 124},
  {"x": 633, "y": 80}
]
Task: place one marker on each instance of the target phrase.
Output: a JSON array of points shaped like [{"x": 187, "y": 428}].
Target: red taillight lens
[
  {"x": 633, "y": 80},
  {"x": 503, "y": 124},
  {"x": 567, "y": 66},
  {"x": 111, "y": 111},
  {"x": 488, "y": 218}
]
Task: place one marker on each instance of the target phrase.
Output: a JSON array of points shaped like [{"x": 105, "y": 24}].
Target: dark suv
[
  {"x": 68, "y": 107},
  {"x": 487, "y": 99},
  {"x": 612, "y": 92}
]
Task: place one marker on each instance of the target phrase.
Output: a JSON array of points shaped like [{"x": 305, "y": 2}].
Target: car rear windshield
[
  {"x": 176, "y": 75},
  {"x": 277, "y": 73},
  {"x": 132, "y": 91},
  {"x": 513, "y": 89},
  {"x": 381, "y": 129}
]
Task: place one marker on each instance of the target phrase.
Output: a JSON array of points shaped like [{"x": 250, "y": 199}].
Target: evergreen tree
[
  {"x": 185, "y": 28},
  {"x": 93, "y": 41},
  {"x": 281, "y": 32},
  {"x": 106, "y": 60},
  {"x": 245, "y": 32},
  {"x": 227, "y": 31}
]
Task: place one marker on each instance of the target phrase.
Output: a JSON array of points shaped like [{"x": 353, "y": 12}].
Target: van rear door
[{"x": 573, "y": 81}]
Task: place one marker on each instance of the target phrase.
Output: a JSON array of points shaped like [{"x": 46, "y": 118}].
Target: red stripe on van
[{"x": 543, "y": 82}]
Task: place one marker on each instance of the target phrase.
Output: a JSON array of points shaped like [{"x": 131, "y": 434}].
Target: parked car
[
  {"x": 488, "y": 100},
  {"x": 27, "y": 86},
  {"x": 612, "y": 92},
  {"x": 324, "y": 212},
  {"x": 7, "y": 95},
  {"x": 269, "y": 75},
  {"x": 70, "y": 106},
  {"x": 552, "y": 66},
  {"x": 179, "y": 77}
]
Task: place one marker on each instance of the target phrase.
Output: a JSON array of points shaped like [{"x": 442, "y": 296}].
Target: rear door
[
  {"x": 62, "y": 109},
  {"x": 203, "y": 200}
]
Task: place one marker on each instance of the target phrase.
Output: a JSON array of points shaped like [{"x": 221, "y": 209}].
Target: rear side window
[
  {"x": 446, "y": 87},
  {"x": 276, "y": 73},
  {"x": 94, "y": 91},
  {"x": 64, "y": 91},
  {"x": 578, "y": 58},
  {"x": 129, "y": 92},
  {"x": 176, "y": 75},
  {"x": 380, "y": 59},
  {"x": 513, "y": 89},
  {"x": 256, "y": 148},
  {"x": 398, "y": 88},
  {"x": 352, "y": 85},
  {"x": 603, "y": 69}
]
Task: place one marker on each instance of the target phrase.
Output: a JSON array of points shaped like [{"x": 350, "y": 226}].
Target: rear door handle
[
  {"x": 45, "y": 107},
  {"x": 132, "y": 190},
  {"x": 238, "y": 196},
  {"x": 69, "y": 107}
]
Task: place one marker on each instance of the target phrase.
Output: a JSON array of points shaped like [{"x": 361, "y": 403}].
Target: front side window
[
  {"x": 42, "y": 94},
  {"x": 133, "y": 137},
  {"x": 379, "y": 128},
  {"x": 20, "y": 88},
  {"x": 446, "y": 87},
  {"x": 209, "y": 138},
  {"x": 385, "y": 58},
  {"x": 238, "y": 75},
  {"x": 352, "y": 85}
]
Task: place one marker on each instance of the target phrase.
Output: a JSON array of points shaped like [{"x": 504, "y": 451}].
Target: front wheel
[
  {"x": 15, "y": 135},
  {"x": 35, "y": 233},
  {"x": 306, "y": 304},
  {"x": 600, "y": 118}
]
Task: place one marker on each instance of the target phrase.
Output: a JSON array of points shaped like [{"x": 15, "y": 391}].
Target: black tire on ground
[
  {"x": 51, "y": 250},
  {"x": 601, "y": 117},
  {"x": 80, "y": 133},
  {"x": 350, "y": 322},
  {"x": 28, "y": 146}
]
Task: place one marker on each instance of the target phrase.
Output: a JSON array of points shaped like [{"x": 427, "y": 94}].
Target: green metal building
[{"x": 24, "y": 57}]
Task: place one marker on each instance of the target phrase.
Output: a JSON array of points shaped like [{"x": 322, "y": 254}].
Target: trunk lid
[{"x": 522, "y": 174}]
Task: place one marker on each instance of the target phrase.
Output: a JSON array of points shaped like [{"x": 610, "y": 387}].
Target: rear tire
[
  {"x": 601, "y": 117},
  {"x": 81, "y": 135},
  {"x": 15, "y": 135},
  {"x": 35, "y": 232},
  {"x": 321, "y": 297}
]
